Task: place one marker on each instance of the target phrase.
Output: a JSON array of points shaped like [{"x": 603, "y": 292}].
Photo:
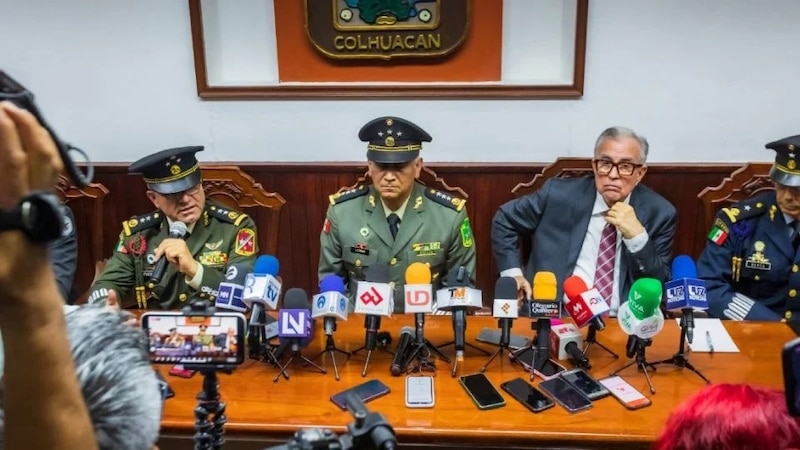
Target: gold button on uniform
[
  {"x": 393, "y": 261},
  {"x": 795, "y": 268},
  {"x": 202, "y": 295},
  {"x": 787, "y": 315},
  {"x": 792, "y": 293},
  {"x": 182, "y": 297},
  {"x": 358, "y": 263}
]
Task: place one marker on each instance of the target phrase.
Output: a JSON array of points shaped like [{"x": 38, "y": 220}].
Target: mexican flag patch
[{"x": 717, "y": 236}]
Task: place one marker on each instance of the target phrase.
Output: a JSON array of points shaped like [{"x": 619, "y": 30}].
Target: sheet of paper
[{"x": 712, "y": 330}]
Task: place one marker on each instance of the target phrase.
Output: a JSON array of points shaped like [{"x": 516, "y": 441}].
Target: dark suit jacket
[{"x": 557, "y": 217}]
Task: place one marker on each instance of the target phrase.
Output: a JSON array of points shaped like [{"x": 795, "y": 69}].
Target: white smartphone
[
  {"x": 419, "y": 392},
  {"x": 625, "y": 393}
]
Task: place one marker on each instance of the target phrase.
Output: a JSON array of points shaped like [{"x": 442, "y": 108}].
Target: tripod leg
[
  {"x": 454, "y": 372},
  {"x": 622, "y": 368},
  {"x": 435, "y": 350},
  {"x": 477, "y": 348},
  {"x": 283, "y": 370},
  {"x": 333, "y": 361},
  {"x": 366, "y": 363},
  {"x": 608, "y": 350},
  {"x": 307, "y": 362},
  {"x": 316, "y": 356},
  {"x": 643, "y": 367},
  {"x": 494, "y": 355}
]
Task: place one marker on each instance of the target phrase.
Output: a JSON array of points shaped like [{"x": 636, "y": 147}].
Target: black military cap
[
  {"x": 171, "y": 170},
  {"x": 785, "y": 170},
  {"x": 392, "y": 140}
]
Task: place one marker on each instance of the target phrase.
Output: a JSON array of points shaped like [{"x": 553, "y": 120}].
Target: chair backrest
[
  {"x": 231, "y": 186},
  {"x": 745, "y": 182},
  {"x": 427, "y": 176},
  {"x": 570, "y": 167},
  {"x": 96, "y": 192}
]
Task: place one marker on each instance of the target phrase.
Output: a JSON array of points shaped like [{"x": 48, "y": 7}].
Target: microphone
[
  {"x": 262, "y": 288},
  {"x": 585, "y": 306},
  {"x": 685, "y": 292},
  {"x": 330, "y": 303},
  {"x": 566, "y": 342},
  {"x": 295, "y": 329},
  {"x": 505, "y": 307},
  {"x": 176, "y": 230},
  {"x": 544, "y": 306},
  {"x": 399, "y": 361},
  {"x": 418, "y": 295},
  {"x": 229, "y": 293},
  {"x": 641, "y": 315},
  {"x": 458, "y": 298},
  {"x": 375, "y": 298}
]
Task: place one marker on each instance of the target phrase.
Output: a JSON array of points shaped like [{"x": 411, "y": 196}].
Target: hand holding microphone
[{"x": 170, "y": 250}]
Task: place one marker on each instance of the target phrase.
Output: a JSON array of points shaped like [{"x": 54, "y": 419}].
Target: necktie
[
  {"x": 604, "y": 272},
  {"x": 795, "y": 237},
  {"x": 394, "y": 224}
]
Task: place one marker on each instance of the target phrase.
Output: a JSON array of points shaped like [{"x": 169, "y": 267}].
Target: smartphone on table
[
  {"x": 419, "y": 392},
  {"x": 525, "y": 358},
  {"x": 626, "y": 394},
  {"x": 529, "y": 396},
  {"x": 584, "y": 382},
  {"x": 565, "y": 394},
  {"x": 492, "y": 336},
  {"x": 369, "y": 390},
  {"x": 482, "y": 391}
]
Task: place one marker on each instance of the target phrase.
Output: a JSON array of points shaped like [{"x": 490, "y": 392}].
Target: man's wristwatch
[{"x": 39, "y": 216}]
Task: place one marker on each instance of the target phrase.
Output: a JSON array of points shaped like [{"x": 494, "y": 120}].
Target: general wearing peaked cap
[
  {"x": 392, "y": 140},
  {"x": 171, "y": 170},
  {"x": 786, "y": 169}
]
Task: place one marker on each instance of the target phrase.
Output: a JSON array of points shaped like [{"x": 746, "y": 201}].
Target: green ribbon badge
[{"x": 466, "y": 233}]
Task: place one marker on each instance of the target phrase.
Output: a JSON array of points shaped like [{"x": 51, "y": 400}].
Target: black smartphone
[
  {"x": 584, "y": 382},
  {"x": 529, "y": 396},
  {"x": 565, "y": 394},
  {"x": 545, "y": 371},
  {"x": 217, "y": 340},
  {"x": 492, "y": 336},
  {"x": 482, "y": 391},
  {"x": 366, "y": 391},
  {"x": 791, "y": 375}
]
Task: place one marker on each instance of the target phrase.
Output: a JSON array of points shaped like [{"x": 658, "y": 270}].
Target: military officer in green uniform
[
  {"x": 397, "y": 220},
  {"x": 217, "y": 237},
  {"x": 751, "y": 263}
]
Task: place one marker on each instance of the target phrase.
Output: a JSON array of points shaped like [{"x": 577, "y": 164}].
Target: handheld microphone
[
  {"x": 176, "y": 230},
  {"x": 375, "y": 298},
  {"x": 685, "y": 292},
  {"x": 566, "y": 342},
  {"x": 458, "y": 298},
  {"x": 585, "y": 305},
  {"x": 294, "y": 319},
  {"x": 330, "y": 303},
  {"x": 418, "y": 296},
  {"x": 544, "y": 306},
  {"x": 399, "y": 361},
  {"x": 505, "y": 307},
  {"x": 229, "y": 293},
  {"x": 641, "y": 315},
  {"x": 262, "y": 287}
]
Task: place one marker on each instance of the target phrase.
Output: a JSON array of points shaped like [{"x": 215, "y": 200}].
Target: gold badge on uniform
[
  {"x": 418, "y": 202},
  {"x": 175, "y": 169},
  {"x": 245, "y": 242},
  {"x": 757, "y": 260},
  {"x": 213, "y": 258},
  {"x": 214, "y": 245},
  {"x": 426, "y": 248}
]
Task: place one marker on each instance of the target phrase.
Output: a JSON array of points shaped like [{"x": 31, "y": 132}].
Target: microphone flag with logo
[{"x": 641, "y": 315}]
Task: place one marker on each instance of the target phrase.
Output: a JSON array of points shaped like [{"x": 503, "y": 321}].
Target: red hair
[{"x": 731, "y": 417}]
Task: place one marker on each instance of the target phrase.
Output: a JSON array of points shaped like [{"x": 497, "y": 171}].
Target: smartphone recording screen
[{"x": 179, "y": 339}]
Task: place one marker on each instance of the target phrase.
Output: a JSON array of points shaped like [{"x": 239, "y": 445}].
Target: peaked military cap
[
  {"x": 785, "y": 170},
  {"x": 392, "y": 140},
  {"x": 169, "y": 171}
]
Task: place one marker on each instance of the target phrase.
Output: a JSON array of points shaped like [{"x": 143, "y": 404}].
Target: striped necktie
[{"x": 606, "y": 255}]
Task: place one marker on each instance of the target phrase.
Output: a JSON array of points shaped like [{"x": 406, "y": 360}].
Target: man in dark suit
[
  {"x": 751, "y": 262},
  {"x": 608, "y": 229}
]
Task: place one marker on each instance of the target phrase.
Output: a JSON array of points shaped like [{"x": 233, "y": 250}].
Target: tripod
[
  {"x": 539, "y": 347},
  {"x": 209, "y": 433},
  {"x": 591, "y": 338},
  {"x": 372, "y": 323},
  {"x": 422, "y": 348},
  {"x": 295, "y": 354},
  {"x": 636, "y": 348},
  {"x": 330, "y": 345},
  {"x": 505, "y": 336},
  {"x": 679, "y": 359}
]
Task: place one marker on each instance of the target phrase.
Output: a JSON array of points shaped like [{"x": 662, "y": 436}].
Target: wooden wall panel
[{"x": 306, "y": 187}]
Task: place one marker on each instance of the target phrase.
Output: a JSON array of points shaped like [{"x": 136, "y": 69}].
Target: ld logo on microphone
[{"x": 418, "y": 298}]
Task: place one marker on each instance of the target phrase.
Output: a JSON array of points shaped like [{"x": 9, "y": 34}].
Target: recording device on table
[
  {"x": 482, "y": 391},
  {"x": 505, "y": 308},
  {"x": 586, "y": 307},
  {"x": 545, "y": 370},
  {"x": 15, "y": 92},
  {"x": 626, "y": 394},
  {"x": 400, "y": 360},
  {"x": 330, "y": 305},
  {"x": 295, "y": 330},
  {"x": 460, "y": 299},
  {"x": 375, "y": 299},
  {"x": 419, "y": 301},
  {"x": 529, "y": 396},
  {"x": 420, "y": 392},
  {"x": 565, "y": 394},
  {"x": 791, "y": 375},
  {"x": 369, "y": 390}
]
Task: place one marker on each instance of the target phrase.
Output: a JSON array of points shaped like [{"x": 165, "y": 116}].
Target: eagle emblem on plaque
[{"x": 385, "y": 29}]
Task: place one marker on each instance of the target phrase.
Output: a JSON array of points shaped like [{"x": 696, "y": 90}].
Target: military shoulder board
[
  {"x": 349, "y": 194},
  {"x": 138, "y": 223},
  {"x": 746, "y": 210},
  {"x": 226, "y": 215},
  {"x": 443, "y": 198}
]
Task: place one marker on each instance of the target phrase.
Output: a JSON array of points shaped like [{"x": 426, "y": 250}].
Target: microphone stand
[
  {"x": 329, "y": 324},
  {"x": 372, "y": 323},
  {"x": 295, "y": 353},
  {"x": 459, "y": 352},
  {"x": 591, "y": 338},
  {"x": 639, "y": 345},
  {"x": 505, "y": 337},
  {"x": 679, "y": 359},
  {"x": 422, "y": 348},
  {"x": 209, "y": 415},
  {"x": 541, "y": 326}
]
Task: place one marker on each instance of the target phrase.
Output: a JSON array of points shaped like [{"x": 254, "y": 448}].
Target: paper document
[{"x": 711, "y": 333}]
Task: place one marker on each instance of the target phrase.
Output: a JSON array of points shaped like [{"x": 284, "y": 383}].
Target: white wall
[{"x": 710, "y": 80}]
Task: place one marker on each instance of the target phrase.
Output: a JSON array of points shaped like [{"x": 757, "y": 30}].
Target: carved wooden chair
[
  {"x": 747, "y": 181},
  {"x": 231, "y": 186},
  {"x": 95, "y": 194},
  {"x": 427, "y": 176},
  {"x": 570, "y": 167}
]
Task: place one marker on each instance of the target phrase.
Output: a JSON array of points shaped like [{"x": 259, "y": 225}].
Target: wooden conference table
[{"x": 262, "y": 413}]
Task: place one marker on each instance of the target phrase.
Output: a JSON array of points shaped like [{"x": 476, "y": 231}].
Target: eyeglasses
[
  {"x": 192, "y": 191},
  {"x": 625, "y": 169}
]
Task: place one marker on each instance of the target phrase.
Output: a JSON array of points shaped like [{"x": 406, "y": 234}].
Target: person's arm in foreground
[{"x": 43, "y": 404}]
